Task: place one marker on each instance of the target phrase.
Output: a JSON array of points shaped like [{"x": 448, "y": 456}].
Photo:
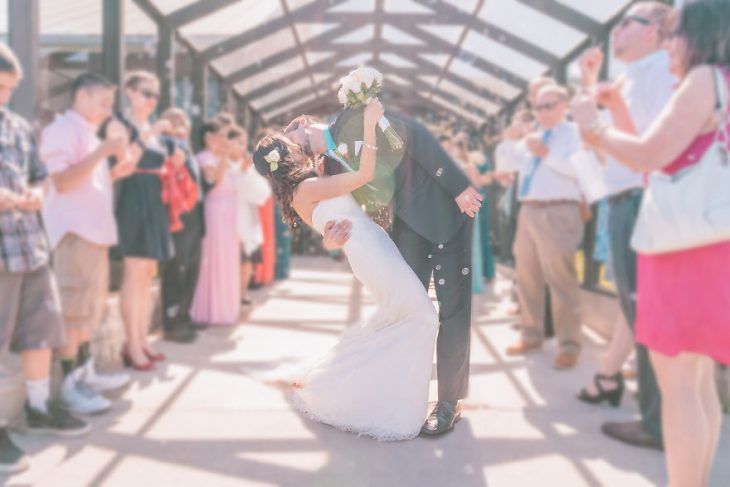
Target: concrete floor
[{"x": 202, "y": 421}]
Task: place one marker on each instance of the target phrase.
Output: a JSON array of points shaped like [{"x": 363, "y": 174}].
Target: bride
[{"x": 375, "y": 380}]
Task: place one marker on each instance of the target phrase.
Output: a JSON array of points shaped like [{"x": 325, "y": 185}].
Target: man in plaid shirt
[{"x": 30, "y": 319}]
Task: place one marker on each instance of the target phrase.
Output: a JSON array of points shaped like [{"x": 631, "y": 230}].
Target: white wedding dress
[{"x": 375, "y": 380}]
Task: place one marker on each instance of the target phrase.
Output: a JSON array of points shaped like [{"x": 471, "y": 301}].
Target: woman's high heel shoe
[
  {"x": 612, "y": 396},
  {"x": 128, "y": 362}
]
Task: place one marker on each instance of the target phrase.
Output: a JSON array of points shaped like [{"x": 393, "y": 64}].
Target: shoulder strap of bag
[{"x": 721, "y": 106}]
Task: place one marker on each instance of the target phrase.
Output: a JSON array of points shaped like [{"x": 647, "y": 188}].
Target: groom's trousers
[{"x": 450, "y": 264}]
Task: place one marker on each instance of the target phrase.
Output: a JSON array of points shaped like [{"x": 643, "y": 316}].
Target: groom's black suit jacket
[{"x": 422, "y": 180}]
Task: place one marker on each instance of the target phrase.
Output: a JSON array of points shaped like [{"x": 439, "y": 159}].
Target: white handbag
[{"x": 691, "y": 208}]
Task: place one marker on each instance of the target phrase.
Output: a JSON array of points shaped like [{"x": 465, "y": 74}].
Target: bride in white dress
[{"x": 375, "y": 380}]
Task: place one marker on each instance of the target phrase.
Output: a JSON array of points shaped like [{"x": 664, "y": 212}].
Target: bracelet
[
  {"x": 597, "y": 129},
  {"x": 371, "y": 147}
]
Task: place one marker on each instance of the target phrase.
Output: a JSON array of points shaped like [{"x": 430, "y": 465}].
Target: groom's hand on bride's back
[
  {"x": 336, "y": 234},
  {"x": 469, "y": 201}
]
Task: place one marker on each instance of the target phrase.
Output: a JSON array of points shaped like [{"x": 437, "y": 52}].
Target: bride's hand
[{"x": 373, "y": 113}]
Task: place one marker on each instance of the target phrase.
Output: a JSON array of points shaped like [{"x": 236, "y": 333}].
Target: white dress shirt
[
  {"x": 647, "y": 87},
  {"x": 554, "y": 178}
]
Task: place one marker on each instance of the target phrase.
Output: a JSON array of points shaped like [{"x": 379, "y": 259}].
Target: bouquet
[{"x": 357, "y": 89}]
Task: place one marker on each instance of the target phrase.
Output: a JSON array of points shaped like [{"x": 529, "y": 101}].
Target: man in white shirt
[
  {"x": 646, "y": 88},
  {"x": 79, "y": 219},
  {"x": 549, "y": 225}
]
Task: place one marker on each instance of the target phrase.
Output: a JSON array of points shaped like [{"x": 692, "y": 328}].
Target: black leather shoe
[
  {"x": 194, "y": 325},
  {"x": 180, "y": 335},
  {"x": 442, "y": 419},
  {"x": 632, "y": 433}
]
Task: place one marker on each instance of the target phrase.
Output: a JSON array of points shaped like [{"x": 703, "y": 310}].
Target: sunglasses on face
[
  {"x": 547, "y": 106},
  {"x": 150, "y": 95},
  {"x": 633, "y": 18}
]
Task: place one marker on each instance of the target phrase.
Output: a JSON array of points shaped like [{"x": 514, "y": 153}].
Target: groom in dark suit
[{"x": 433, "y": 204}]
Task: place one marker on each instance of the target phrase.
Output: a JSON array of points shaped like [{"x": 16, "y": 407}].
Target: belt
[
  {"x": 547, "y": 203},
  {"x": 629, "y": 193}
]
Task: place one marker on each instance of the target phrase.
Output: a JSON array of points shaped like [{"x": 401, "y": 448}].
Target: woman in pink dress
[
  {"x": 217, "y": 294},
  {"x": 682, "y": 296}
]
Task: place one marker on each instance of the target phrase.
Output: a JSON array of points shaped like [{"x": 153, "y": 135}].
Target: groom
[{"x": 433, "y": 204}]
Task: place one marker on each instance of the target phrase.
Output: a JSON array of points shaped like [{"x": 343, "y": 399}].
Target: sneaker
[
  {"x": 80, "y": 399},
  {"x": 104, "y": 382},
  {"x": 57, "y": 421},
  {"x": 12, "y": 458}
]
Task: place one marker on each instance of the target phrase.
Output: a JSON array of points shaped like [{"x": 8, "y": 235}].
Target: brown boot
[
  {"x": 521, "y": 347},
  {"x": 565, "y": 360}
]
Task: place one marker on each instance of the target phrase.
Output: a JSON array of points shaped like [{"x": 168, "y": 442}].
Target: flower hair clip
[{"x": 273, "y": 158}]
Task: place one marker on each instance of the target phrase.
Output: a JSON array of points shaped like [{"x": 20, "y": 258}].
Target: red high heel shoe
[
  {"x": 155, "y": 357},
  {"x": 128, "y": 362}
]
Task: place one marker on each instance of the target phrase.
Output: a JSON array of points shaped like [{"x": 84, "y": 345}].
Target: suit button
[{"x": 441, "y": 246}]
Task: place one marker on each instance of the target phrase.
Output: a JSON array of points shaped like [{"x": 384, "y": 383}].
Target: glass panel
[
  {"x": 355, "y": 6},
  {"x": 439, "y": 60},
  {"x": 397, "y": 36},
  {"x": 502, "y": 56},
  {"x": 356, "y": 60},
  {"x": 270, "y": 75},
  {"x": 397, "y": 80},
  {"x": 307, "y": 31},
  {"x": 313, "y": 57},
  {"x": 449, "y": 33},
  {"x": 484, "y": 79},
  {"x": 255, "y": 52},
  {"x": 406, "y": 6},
  {"x": 364, "y": 34},
  {"x": 396, "y": 60},
  {"x": 287, "y": 108},
  {"x": 464, "y": 5},
  {"x": 168, "y": 6},
  {"x": 281, "y": 93},
  {"x": 602, "y": 11},
  {"x": 532, "y": 26},
  {"x": 234, "y": 19}
]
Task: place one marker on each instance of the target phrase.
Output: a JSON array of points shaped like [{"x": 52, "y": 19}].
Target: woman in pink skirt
[
  {"x": 217, "y": 294},
  {"x": 682, "y": 298}
]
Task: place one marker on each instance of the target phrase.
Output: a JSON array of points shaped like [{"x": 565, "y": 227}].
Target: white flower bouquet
[{"x": 361, "y": 86}]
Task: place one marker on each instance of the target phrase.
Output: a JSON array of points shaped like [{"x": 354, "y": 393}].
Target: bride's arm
[{"x": 318, "y": 189}]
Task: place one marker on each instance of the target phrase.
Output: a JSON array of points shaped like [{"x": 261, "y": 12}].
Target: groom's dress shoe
[{"x": 442, "y": 419}]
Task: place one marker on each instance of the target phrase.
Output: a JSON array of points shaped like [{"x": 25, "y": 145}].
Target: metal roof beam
[
  {"x": 309, "y": 13},
  {"x": 196, "y": 11},
  {"x": 566, "y": 15}
]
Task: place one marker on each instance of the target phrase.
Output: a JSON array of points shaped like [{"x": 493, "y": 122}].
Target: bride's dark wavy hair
[{"x": 287, "y": 176}]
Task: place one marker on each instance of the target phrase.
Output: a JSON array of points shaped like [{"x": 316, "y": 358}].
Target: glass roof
[{"x": 274, "y": 49}]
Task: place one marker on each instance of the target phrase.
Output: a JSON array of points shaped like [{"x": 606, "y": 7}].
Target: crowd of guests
[
  {"x": 662, "y": 114},
  {"x": 94, "y": 184},
  {"x": 172, "y": 213}
]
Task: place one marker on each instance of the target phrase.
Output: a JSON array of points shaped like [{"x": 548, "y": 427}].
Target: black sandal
[{"x": 612, "y": 396}]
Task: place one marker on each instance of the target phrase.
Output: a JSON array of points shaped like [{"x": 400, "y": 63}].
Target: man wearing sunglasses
[
  {"x": 549, "y": 226},
  {"x": 645, "y": 88}
]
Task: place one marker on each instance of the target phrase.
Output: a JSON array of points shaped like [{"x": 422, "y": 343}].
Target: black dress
[{"x": 142, "y": 218}]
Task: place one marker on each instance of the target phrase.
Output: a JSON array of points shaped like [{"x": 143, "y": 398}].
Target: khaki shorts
[
  {"x": 82, "y": 273},
  {"x": 30, "y": 311}
]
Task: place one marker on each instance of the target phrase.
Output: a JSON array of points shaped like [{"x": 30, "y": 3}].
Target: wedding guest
[
  {"x": 180, "y": 274},
  {"x": 486, "y": 171},
  {"x": 681, "y": 312},
  {"x": 645, "y": 88},
  {"x": 549, "y": 227},
  {"x": 79, "y": 218},
  {"x": 142, "y": 221},
  {"x": 30, "y": 330},
  {"x": 252, "y": 190},
  {"x": 264, "y": 271},
  {"x": 218, "y": 292},
  {"x": 461, "y": 155}
]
